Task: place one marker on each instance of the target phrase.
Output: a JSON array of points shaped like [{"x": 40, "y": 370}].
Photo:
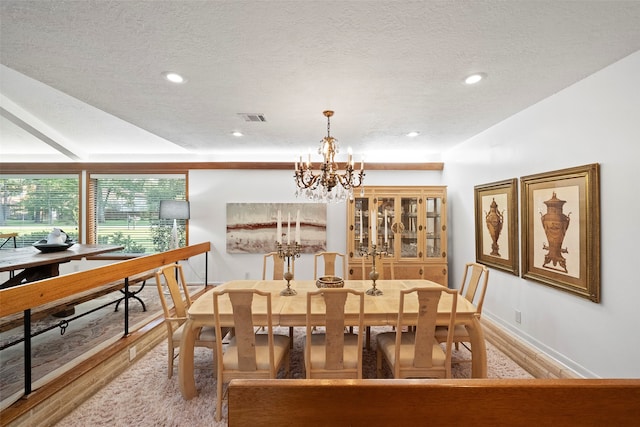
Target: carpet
[{"x": 144, "y": 396}]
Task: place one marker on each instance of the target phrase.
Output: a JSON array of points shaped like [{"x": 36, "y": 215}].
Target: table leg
[
  {"x": 478, "y": 349},
  {"x": 185, "y": 362}
]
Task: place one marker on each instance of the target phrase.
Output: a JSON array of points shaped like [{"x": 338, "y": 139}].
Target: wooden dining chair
[
  {"x": 386, "y": 271},
  {"x": 333, "y": 353},
  {"x": 175, "y": 317},
  {"x": 476, "y": 286},
  {"x": 278, "y": 266},
  {"x": 248, "y": 354},
  {"x": 416, "y": 353},
  {"x": 329, "y": 261}
]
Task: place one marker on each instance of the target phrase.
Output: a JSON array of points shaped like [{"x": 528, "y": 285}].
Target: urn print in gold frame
[
  {"x": 496, "y": 219},
  {"x": 561, "y": 230}
]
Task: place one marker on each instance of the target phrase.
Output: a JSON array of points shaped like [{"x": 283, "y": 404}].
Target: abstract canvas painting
[{"x": 251, "y": 227}]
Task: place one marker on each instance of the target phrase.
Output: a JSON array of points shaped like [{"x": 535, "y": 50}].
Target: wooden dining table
[
  {"x": 37, "y": 265},
  {"x": 290, "y": 311}
]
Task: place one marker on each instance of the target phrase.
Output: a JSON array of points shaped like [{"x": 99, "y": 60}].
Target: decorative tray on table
[
  {"x": 45, "y": 247},
  {"x": 330, "y": 282}
]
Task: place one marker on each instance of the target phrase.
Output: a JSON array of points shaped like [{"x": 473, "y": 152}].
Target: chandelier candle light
[
  {"x": 289, "y": 250},
  {"x": 374, "y": 252},
  {"x": 320, "y": 186}
]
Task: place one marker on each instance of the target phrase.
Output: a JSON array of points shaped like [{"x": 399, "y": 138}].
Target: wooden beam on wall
[{"x": 72, "y": 167}]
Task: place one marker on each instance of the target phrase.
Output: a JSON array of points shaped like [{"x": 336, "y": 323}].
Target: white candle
[
  {"x": 360, "y": 212},
  {"x": 349, "y": 157},
  {"x": 289, "y": 228},
  {"x": 279, "y": 229},
  {"x": 362, "y": 164},
  {"x": 374, "y": 230},
  {"x": 386, "y": 236},
  {"x": 298, "y": 227}
]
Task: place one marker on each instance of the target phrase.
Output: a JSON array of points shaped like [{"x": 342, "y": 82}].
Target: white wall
[
  {"x": 596, "y": 120},
  {"x": 211, "y": 190}
]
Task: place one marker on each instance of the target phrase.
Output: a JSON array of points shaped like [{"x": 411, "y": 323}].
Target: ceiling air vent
[{"x": 252, "y": 117}]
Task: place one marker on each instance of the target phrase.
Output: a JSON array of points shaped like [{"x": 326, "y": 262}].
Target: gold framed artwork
[
  {"x": 496, "y": 219},
  {"x": 561, "y": 229}
]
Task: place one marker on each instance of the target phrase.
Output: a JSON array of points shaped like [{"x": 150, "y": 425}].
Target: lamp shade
[{"x": 174, "y": 209}]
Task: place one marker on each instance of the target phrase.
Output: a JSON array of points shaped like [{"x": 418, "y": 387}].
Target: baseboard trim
[{"x": 530, "y": 359}]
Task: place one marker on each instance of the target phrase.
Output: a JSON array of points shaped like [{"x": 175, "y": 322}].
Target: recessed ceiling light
[
  {"x": 237, "y": 133},
  {"x": 412, "y": 134},
  {"x": 173, "y": 77},
  {"x": 474, "y": 78}
]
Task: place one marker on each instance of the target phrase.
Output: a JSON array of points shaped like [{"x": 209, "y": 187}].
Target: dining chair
[
  {"x": 328, "y": 261},
  {"x": 333, "y": 353},
  {"x": 416, "y": 353},
  {"x": 248, "y": 354},
  {"x": 478, "y": 276},
  {"x": 176, "y": 287},
  {"x": 382, "y": 275},
  {"x": 278, "y": 266},
  {"x": 385, "y": 269}
]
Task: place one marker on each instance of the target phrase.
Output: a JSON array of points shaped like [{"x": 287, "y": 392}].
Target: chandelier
[{"x": 328, "y": 184}]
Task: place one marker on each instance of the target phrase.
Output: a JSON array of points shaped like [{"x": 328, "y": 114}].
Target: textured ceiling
[{"x": 82, "y": 80}]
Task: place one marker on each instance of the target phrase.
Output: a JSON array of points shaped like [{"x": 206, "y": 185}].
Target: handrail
[
  {"x": 28, "y": 295},
  {"x": 23, "y": 298}
]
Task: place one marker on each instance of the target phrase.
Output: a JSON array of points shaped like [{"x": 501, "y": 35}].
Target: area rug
[{"x": 144, "y": 396}]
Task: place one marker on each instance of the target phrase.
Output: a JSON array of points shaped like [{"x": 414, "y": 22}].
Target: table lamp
[{"x": 174, "y": 209}]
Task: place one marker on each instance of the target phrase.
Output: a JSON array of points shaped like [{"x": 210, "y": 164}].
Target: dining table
[
  {"x": 291, "y": 311},
  {"x": 37, "y": 265}
]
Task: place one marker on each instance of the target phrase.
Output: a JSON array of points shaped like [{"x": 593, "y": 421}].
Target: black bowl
[{"x": 45, "y": 247}]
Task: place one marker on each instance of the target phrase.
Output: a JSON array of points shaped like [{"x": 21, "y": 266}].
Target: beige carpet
[{"x": 144, "y": 396}]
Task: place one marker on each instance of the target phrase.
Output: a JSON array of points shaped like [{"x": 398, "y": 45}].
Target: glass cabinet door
[
  {"x": 386, "y": 221},
  {"x": 409, "y": 227},
  {"x": 361, "y": 223},
  {"x": 433, "y": 225}
]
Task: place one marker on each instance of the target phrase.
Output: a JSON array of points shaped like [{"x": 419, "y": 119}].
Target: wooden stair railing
[{"x": 22, "y": 299}]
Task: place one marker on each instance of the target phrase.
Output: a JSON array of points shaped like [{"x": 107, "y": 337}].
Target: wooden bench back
[{"x": 539, "y": 402}]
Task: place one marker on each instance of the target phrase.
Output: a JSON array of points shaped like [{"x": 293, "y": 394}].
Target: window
[
  {"x": 32, "y": 205},
  {"x": 124, "y": 210}
]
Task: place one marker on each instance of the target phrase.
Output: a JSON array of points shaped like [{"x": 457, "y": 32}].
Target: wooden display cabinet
[{"x": 413, "y": 223}]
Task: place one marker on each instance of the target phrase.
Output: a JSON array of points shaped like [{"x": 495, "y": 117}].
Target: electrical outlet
[
  {"x": 518, "y": 316},
  {"x": 132, "y": 353}
]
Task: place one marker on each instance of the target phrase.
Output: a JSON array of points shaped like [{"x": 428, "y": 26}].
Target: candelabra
[
  {"x": 373, "y": 253},
  {"x": 288, "y": 251}
]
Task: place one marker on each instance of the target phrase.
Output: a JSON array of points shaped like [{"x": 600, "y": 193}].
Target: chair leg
[
  {"x": 379, "y": 364},
  {"x": 170, "y": 361},
  {"x": 291, "y": 337},
  {"x": 219, "y": 398}
]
